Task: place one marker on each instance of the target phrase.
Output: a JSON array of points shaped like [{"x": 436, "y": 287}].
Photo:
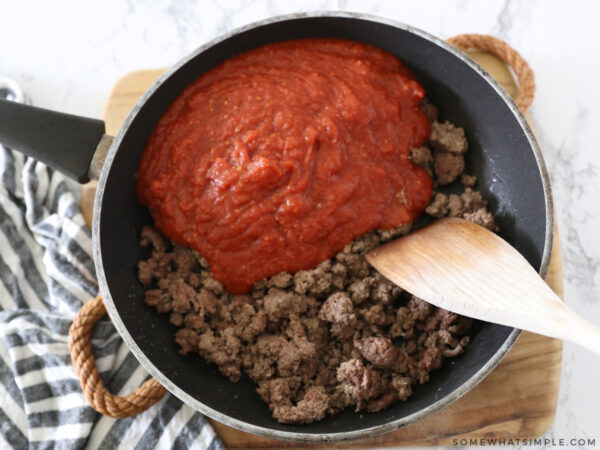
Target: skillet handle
[
  {"x": 506, "y": 53},
  {"x": 65, "y": 142},
  {"x": 85, "y": 366}
]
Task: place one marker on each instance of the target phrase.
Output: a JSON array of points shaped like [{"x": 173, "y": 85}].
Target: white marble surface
[{"x": 66, "y": 54}]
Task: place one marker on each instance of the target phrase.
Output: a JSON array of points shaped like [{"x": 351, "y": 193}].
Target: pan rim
[{"x": 298, "y": 436}]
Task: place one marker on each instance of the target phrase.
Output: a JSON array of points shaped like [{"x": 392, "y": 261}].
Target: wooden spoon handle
[
  {"x": 462, "y": 267},
  {"x": 582, "y": 332},
  {"x": 556, "y": 319}
]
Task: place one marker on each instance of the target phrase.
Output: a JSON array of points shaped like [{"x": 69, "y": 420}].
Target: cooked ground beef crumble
[{"x": 321, "y": 340}]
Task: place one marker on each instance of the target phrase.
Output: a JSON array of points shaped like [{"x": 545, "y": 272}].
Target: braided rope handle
[
  {"x": 85, "y": 366},
  {"x": 506, "y": 53},
  {"x": 151, "y": 391}
]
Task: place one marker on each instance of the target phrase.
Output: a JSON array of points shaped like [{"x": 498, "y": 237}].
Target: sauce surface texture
[{"x": 276, "y": 159}]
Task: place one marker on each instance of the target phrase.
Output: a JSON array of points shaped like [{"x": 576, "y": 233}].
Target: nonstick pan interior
[{"x": 501, "y": 154}]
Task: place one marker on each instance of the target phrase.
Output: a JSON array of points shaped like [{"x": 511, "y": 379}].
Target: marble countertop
[{"x": 67, "y": 54}]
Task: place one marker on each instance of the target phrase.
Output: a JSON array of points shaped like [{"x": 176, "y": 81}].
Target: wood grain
[{"x": 517, "y": 400}]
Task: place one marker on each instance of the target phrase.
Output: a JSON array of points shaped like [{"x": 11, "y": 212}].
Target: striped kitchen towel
[{"x": 46, "y": 274}]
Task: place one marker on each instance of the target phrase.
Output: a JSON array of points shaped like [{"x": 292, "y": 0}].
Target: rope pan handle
[
  {"x": 152, "y": 391},
  {"x": 506, "y": 53},
  {"x": 85, "y": 366}
]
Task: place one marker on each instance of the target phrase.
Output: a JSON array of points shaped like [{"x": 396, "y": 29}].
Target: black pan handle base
[{"x": 65, "y": 142}]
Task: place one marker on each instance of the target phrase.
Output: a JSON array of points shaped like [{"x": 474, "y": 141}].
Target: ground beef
[
  {"x": 338, "y": 309},
  {"x": 472, "y": 200},
  {"x": 468, "y": 180},
  {"x": 482, "y": 217},
  {"x": 470, "y": 205},
  {"x": 447, "y": 167},
  {"x": 449, "y": 145},
  {"x": 421, "y": 156},
  {"x": 438, "y": 207},
  {"x": 430, "y": 110},
  {"x": 359, "y": 382},
  {"x": 382, "y": 353},
  {"x": 456, "y": 206},
  {"x": 313, "y": 347},
  {"x": 153, "y": 238},
  {"x": 311, "y": 407},
  {"x": 321, "y": 340},
  {"x": 447, "y": 138}
]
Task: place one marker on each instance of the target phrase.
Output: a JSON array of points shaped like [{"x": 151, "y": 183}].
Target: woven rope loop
[
  {"x": 507, "y": 54},
  {"x": 85, "y": 366},
  {"x": 151, "y": 391}
]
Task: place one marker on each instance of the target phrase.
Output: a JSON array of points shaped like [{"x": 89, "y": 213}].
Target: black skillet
[{"x": 503, "y": 154}]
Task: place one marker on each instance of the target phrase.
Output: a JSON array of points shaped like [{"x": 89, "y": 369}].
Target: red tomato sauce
[{"x": 276, "y": 159}]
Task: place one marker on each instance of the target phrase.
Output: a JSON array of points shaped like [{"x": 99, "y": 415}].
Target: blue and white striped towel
[{"x": 46, "y": 274}]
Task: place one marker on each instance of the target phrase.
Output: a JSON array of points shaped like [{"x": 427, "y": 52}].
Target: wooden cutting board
[{"x": 517, "y": 400}]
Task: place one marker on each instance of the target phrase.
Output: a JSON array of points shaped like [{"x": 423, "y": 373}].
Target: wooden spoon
[{"x": 462, "y": 267}]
